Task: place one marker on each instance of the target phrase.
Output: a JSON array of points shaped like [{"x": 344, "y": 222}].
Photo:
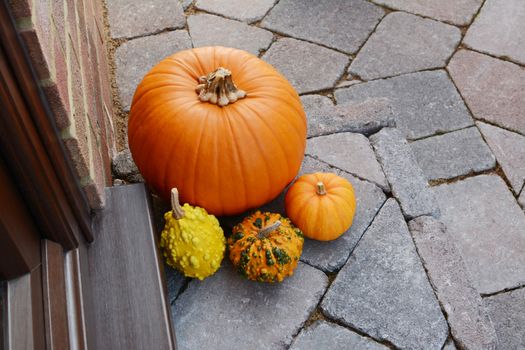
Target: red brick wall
[{"x": 67, "y": 45}]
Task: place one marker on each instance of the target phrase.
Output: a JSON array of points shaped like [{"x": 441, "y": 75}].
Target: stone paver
[
  {"x": 174, "y": 282},
  {"x": 320, "y": 68},
  {"x": 521, "y": 199},
  {"x": 507, "y": 311},
  {"x": 185, "y": 3},
  {"x": 365, "y": 118},
  {"x": 340, "y": 24},
  {"x": 226, "y": 310},
  {"x": 349, "y": 152},
  {"x": 469, "y": 322},
  {"x": 449, "y": 345},
  {"x": 325, "y": 335},
  {"x": 127, "y": 17},
  {"x": 331, "y": 256},
  {"x": 407, "y": 181},
  {"x": 383, "y": 290},
  {"x": 456, "y": 153},
  {"x": 404, "y": 43},
  {"x": 209, "y": 30},
  {"x": 458, "y": 12},
  {"x": 499, "y": 29},
  {"x": 487, "y": 226},
  {"x": 314, "y": 104},
  {"x": 242, "y": 10},
  {"x": 136, "y": 57},
  {"x": 423, "y": 103},
  {"x": 493, "y": 89},
  {"x": 509, "y": 149}
]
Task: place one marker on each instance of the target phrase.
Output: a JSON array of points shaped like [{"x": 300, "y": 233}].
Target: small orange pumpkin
[
  {"x": 322, "y": 205},
  {"x": 265, "y": 247},
  {"x": 221, "y": 125}
]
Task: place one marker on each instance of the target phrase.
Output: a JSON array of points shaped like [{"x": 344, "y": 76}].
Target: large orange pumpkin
[{"x": 221, "y": 125}]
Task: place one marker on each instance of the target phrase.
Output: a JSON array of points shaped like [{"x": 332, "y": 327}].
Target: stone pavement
[{"x": 420, "y": 104}]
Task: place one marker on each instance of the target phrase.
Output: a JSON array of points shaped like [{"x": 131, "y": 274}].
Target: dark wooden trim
[
  {"x": 31, "y": 147},
  {"x": 19, "y": 237}
]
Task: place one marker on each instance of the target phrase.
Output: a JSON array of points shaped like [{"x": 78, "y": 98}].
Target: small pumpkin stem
[
  {"x": 176, "y": 209},
  {"x": 321, "y": 190},
  {"x": 266, "y": 231},
  {"x": 218, "y": 88}
]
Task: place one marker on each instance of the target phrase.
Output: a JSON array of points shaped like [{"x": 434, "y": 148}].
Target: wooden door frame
[{"x": 31, "y": 147}]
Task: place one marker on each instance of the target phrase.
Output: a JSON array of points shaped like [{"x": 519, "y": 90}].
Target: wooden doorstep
[{"x": 129, "y": 303}]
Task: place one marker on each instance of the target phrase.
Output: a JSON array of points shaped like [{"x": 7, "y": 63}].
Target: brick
[
  {"x": 133, "y": 18},
  {"x": 458, "y": 12},
  {"x": 499, "y": 30},
  {"x": 58, "y": 20},
  {"x": 57, "y": 92},
  {"x": 489, "y": 239},
  {"x": 493, "y": 89},
  {"x": 78, "y": 156},
  {"x": 423, "y": 103},
  {"x": 507, "y": 311},
  {"x": 453, "y": 154},
  {"x": 349, "y": 152},
  {"x": 241, "y": 10},
  {"x": 135, "y": 58},
  {"x": 469, "y": 322},
  {"x": 208, "y": 30},
  {"x": 509, "y": 149},
  {"x": 39, "y": 61},
  {"x": 383, "y": 290},
  {"x": 331, "y": 256},
  {"x": 407, "y": 181},
  {"x": 20, "y": 8},
  {"x": 320, "y": 67},
  {"x": 404, "y": 43},
  {"x": 326, "y": 335},
  {"x": 340, "y": 24},
  {"x": 245, "y": 312}
]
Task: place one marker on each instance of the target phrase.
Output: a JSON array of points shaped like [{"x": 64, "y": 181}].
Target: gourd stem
[
  {"x": 176, "y": 210},
  {"x": 264, "y": 232},
  {"x": 321, "y": 190},
  {"x": 218, "y": 88}
]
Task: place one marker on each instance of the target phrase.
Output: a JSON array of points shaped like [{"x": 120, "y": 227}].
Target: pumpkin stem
[
  {"x": 321, "y": 190},
  {"x": 177, "y": 211},
  {"x": 264, "y": 232},
  {"x": 218, "y": 88}
]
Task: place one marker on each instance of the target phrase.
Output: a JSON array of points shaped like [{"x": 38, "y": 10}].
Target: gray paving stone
[
  {"x": 449, "y": 345},
  {"x": 185, "y": 3},
  {"x": 493, "y": 89},
  {"x": 365, "y": 117},
  {"x": 499, "y": 29},
  {"x": 404, "y": 43},
  {"x": 521, "y": 199},
  {"x": 509, "y": 149},
  {"x": 486, "y": 224},
  {"x": 135, "y": 58},
  {"x": 340, "y": 24},
  {"x": 313, "y": 104},
  {"x": 209, "y": 30},
  {"x": 383, "y": 290},
  {"x": 242, "y": 10},
  {"x": 407, "y": 181},
  {"x": 349, "y": 152},
  {"x": 226, "y": 310},
  {"x": 174, "y": 282},
  {"x": 331, "y": 256},
  {"x": 458, "y": 12},
  {"x": 319, "y": 68},
  {"x": 507, "y": 311},
  {"x": 132, "y": 18},
  {"x": 453, "y": 154},
  {"x": 326, "y": 335},
  {"x": 424, "y": 103},
  {"x": 469, "y": 322}
]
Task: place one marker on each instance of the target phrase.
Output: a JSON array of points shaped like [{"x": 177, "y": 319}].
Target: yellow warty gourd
[{"x": 192, "y": 240}]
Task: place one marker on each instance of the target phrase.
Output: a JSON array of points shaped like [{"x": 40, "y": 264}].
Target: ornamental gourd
[
  {"x": 192, "y": 241},
  {"x": 265, "y": 247},
  {"x": 221, "y": 125},
  {"x": 322, "y": 205}
]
